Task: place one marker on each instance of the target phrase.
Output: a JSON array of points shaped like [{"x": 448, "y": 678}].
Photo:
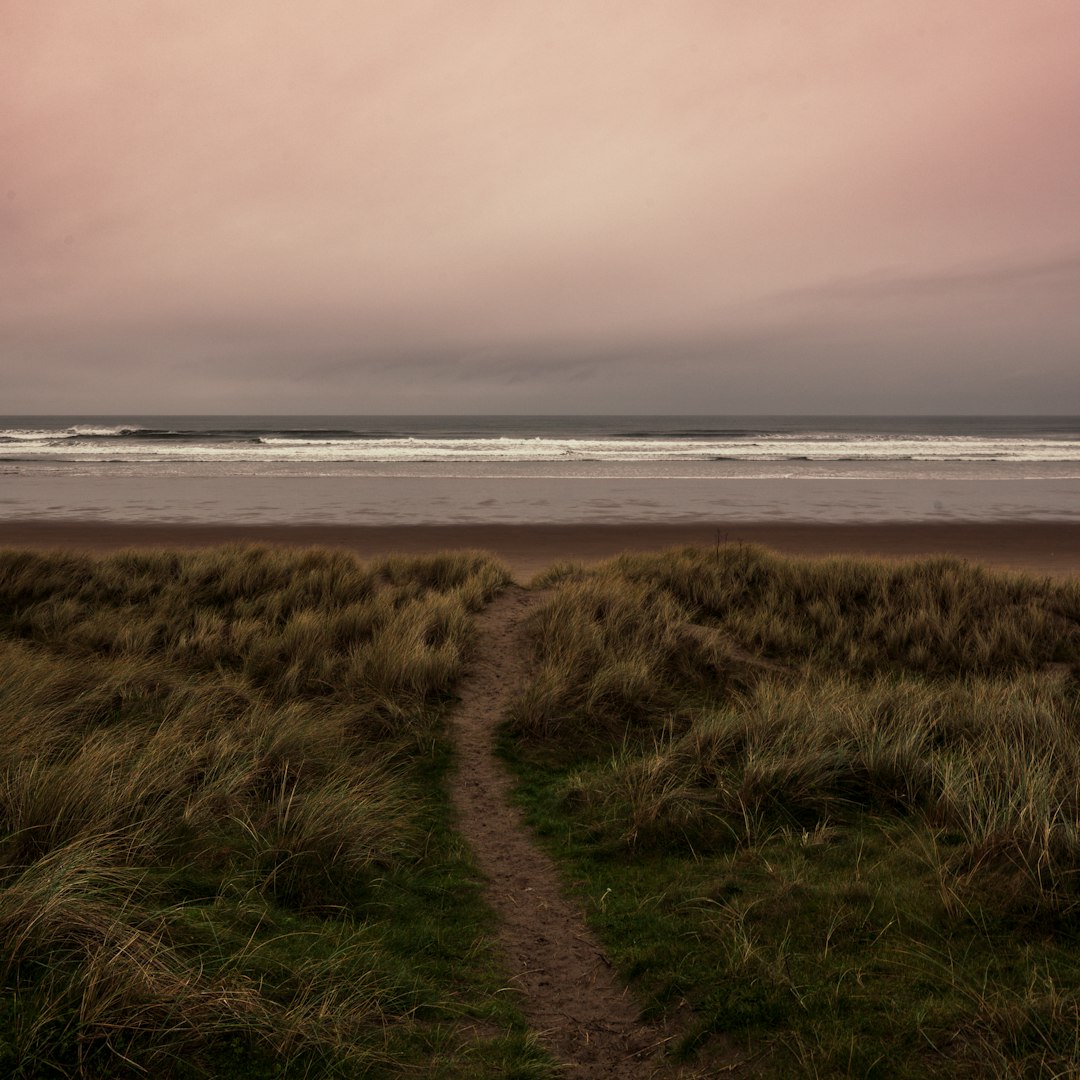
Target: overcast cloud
[{"x": 583, "y": 206}]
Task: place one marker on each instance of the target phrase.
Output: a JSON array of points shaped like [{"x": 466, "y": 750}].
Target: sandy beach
[{"x": 1036, "y": 547}]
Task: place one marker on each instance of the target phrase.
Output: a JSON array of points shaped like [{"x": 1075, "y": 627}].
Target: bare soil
[{"x": 569, "y": 992}]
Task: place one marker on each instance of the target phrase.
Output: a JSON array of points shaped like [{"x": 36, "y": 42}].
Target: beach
[
  {"x": 1036, "y": 547},
  {"x": 1002, "y": 491}
]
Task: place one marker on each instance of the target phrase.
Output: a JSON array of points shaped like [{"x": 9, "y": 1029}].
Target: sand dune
[{"x": 1037, "y": 547}]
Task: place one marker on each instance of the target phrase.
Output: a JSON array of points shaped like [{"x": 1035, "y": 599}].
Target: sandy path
[{"x": 570, "y": 994}]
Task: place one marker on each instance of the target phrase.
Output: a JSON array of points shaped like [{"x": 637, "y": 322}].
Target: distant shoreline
[{"x": 1038, "y": 547}]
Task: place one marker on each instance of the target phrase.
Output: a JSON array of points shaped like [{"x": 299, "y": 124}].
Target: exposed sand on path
[{"x": 569, "y": 992}]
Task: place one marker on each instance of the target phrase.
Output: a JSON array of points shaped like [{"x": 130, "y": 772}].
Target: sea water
[{"x": 521, "y": 469}]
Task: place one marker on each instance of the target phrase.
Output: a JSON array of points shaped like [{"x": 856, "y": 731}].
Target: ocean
[{"x": 521, "y": 469}]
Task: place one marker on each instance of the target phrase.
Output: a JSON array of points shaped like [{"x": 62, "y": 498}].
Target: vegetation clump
[
  {"x": 224, "y": 847},
  {"x": 821, "y": 800}
]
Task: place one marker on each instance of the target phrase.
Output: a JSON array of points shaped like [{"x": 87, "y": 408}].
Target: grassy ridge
[
  {"x": 832, "y": 805},
  {"x": 224, "y": 843}
]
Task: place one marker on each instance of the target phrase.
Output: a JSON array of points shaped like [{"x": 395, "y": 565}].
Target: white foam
[{"x": 109, "y": 444}]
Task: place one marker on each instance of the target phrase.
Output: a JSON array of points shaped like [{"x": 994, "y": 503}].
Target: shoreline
[{"x": 1038, "y": 547}]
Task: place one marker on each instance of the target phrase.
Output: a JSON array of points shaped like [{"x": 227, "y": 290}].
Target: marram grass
[
  {"x": 831, "y": 806},
  {"x": 222, "y": 823}
]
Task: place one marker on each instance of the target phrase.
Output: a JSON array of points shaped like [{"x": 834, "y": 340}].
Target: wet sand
[{"x": 1036, "y": 547}]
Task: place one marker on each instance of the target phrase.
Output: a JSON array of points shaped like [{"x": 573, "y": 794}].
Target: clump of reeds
[{"x": 185, "y": 737}]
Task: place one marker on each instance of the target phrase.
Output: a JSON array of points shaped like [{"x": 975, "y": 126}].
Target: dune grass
[
  {"x": 224, "y": 840},
  {"x": 833, "y": 807},
  {"x": 829, "y": 807}
]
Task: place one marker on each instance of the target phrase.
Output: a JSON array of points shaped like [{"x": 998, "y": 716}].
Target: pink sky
[{"x": 711, "y": 206}]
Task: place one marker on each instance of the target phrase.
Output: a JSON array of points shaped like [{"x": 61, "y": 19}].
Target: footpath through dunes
[{"x": 569, "y": 992}]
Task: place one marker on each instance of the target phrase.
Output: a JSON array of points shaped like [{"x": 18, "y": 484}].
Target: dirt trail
[{"x": 570, "y": 994}]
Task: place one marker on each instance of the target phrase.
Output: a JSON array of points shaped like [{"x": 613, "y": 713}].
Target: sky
[{"x": 539, "y": 206}]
